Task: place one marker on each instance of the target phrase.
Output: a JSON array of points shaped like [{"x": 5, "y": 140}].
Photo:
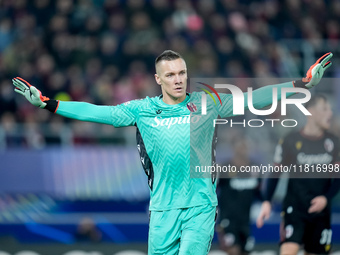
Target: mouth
[{"x": 178, "y": 89}]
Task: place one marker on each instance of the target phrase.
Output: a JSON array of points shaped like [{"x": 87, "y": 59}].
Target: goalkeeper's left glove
[{"x": 315, "y": 72}]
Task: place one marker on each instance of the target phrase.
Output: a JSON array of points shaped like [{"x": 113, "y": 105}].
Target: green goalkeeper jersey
[{"x": 171, "y": 140}]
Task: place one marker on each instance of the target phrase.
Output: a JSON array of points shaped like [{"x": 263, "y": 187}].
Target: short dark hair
[
  {"x": 168, "y": 55},
  {"x": 315, "y": 99}
]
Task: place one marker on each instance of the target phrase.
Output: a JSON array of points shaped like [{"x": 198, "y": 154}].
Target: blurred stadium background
[{"x": 74, "y": 186}]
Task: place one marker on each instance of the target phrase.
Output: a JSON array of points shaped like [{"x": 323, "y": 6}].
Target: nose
[{"x": 178, "y": 79}]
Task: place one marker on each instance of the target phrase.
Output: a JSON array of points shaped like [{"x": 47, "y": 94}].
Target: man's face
[
  {"x": 172, "y": 77},
  {"x": 322, "y": 114}
]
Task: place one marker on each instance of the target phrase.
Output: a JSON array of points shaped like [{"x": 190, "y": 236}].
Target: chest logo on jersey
[
  {"x": 169, "y": 122},
  {"x": 159, "y": 111},
  {"x": 312, "y": 159},
  {"x": 329, "y": 145}
]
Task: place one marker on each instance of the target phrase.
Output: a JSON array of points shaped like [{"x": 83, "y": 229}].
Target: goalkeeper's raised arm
[
  {"x": 118, "y": 116},
  {"x": 262, "y": 97},
  {"x": 313, "y": 75}
]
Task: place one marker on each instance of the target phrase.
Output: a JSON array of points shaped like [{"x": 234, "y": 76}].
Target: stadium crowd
[{"x": 103, "y": 51}]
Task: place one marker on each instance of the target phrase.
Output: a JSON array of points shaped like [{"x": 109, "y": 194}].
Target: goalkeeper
[{"x": 182, "y": 209}]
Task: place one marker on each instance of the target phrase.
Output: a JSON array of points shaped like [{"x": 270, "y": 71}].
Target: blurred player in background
[
  {"x": 183, "y": 209},
  {"x": 235, "y": 197},
  {"x": 306, "y": 212},
  {"x": 88, "y": 231}
]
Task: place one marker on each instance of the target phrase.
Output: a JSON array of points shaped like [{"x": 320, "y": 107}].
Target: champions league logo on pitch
[{"x": 238, "y": 98}]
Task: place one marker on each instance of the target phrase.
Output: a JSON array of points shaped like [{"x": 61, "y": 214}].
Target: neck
[
  {"x": 312, "y": 130},
  {"x": 173, "y": 100}
]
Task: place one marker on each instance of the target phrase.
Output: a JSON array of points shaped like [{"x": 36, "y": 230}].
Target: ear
[{"x": 158, "y": 80}]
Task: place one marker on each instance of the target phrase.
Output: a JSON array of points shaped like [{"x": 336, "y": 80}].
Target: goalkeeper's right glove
[{"x": 33, "y": 95}]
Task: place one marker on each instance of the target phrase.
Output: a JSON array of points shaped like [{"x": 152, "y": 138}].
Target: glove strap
[
  {"x": 51, "y": 105},
  {"x": 300, "y": 84}
]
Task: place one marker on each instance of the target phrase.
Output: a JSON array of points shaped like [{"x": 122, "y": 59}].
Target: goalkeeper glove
[
  {"x": 33, "y": 95},
  {"x": 315, "y": 72}
]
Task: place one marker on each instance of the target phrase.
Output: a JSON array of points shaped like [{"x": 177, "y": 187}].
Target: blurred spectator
[{"x": 87, "y": 231}]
